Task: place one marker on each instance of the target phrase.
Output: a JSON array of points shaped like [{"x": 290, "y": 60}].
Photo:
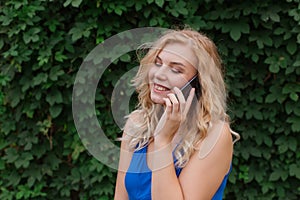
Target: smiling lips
[{"x": 160, "y": 88}]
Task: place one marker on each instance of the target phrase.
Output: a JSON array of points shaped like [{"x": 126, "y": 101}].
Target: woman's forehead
[{"x": 179, "y": 52}]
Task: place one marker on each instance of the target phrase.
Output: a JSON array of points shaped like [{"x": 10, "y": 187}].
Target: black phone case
[{"x": 193, "y": 83}]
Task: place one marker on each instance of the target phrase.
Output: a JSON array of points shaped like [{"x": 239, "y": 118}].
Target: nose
[{"x": 161, "y": 73}]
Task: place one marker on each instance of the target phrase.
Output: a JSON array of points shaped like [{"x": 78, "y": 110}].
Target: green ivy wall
[{"x": 43, "y": 43}]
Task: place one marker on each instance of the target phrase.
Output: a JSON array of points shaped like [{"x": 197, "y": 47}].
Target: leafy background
[{"x": 43, "y": 43}]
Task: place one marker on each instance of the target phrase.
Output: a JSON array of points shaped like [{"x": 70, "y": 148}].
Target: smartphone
[{"x": 193, "y": 83}]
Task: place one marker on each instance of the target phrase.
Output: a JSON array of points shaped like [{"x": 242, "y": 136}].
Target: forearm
[{"x": 165, "y": 184}]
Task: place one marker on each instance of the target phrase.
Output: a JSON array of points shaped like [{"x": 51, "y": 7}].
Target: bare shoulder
[
  {"x": 133, "y": 119},
  {"x": 128, "y": 131},
  {"x": 225, "y": 138},
  {"x": 218, "y": 138},
  {"x": 208, "y": 165}
]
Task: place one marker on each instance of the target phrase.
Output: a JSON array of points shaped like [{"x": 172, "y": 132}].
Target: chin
[{"x": 157, "y": 100}]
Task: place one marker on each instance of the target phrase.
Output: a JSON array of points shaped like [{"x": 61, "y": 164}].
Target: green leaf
[
  {"x": 268, "y": 141},
  {"x": 292, "y": 142},
  {"x": 139, "y": 5},
  {"x": 270, "y": 98},
  {"x": 274, "y": 68},
  {"x": 23, "y": 160},
  {"x": 147, "y": 13},
  {"x": 235, "y": 34},
  {"x": 60, "y": 57},
  {"x": 69, "y": 47},
  {"x": 15, "y": 96},
  {"x": 294, "y": 96},
  {"x": 31, "y": 35},
  {"x": 38, "y": 151},
  {"x": 6, "y": 20},
  {"x": 266, "y": 187},
  {"x": 53, "y": 161},
  {"x": 1, "y": 43},
  {"x": 294, "y": 170},
  {"x": 267, "y": 40},
  {"x": 3, "y": 144},
  {"x": 40, "y": 78},
  {"x": 153, "y": 22},
  {"x": 76, "y": 3},
  {"x": 79, "y": 30},
  {"x": 296, "y": 63},
  {"x": 160, "y": 3},
  {"x": 78, "y": 149},
  {"x": 2, "y": 164},
  {"x": 289, "y": 106},
  {"x": 213, "y": 15},
  {"x": 259, "y": 175},
  {"x": 55, "y": 72},
  {"x": 13, "y": 178},
  {"x": 291, "y": 47},
  {"x": 279, "y": 31},
  {"x": 11, "y": 155},
  {"x": 255, "y": 152},
  {"x": 236, "y": 28},
  {"x": 125, "y": 58},
  {"x": 296, "y": 109},
  {"x": 181, "y": 8},
  {"x": 76, "y": 34},
  {"x": 118, "y": 11},
  {"x": 52, "y": 25},
  {"x": 275, "y": 17},
  {"x": 55, "y": 110},
  {"x": 291, "y": 88},
  {"x": 54, "y": 96},
  {"x": 255, "y": 57},
  {"x": 274, "y": 176},
  {"x": 289, "y": 70},
  {"x": 294, "y": 120}
]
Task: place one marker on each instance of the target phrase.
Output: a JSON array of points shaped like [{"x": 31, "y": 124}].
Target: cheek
[
  {"x": 178, "y": 81},
  {"x": 151, "y": 74}
]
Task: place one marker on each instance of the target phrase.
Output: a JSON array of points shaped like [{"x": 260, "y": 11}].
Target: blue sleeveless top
[{"x": 138, "y": 178}]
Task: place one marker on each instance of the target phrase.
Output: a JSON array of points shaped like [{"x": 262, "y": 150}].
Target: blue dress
[{"x": 138, "y": 178}]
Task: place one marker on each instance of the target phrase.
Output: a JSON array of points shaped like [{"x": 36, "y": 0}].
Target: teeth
[{"x": 160, "y": 88}]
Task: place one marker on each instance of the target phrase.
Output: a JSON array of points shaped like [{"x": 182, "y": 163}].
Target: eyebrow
[{"x": 172, "y": 63}]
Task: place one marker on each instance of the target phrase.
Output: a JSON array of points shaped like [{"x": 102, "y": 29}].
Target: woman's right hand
[{"x": 176, "y": 109}]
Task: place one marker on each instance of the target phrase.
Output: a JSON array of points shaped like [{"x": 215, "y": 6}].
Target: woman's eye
[
  {"x": 158, "y": 64},
  {"x": 176, "y": 70}
]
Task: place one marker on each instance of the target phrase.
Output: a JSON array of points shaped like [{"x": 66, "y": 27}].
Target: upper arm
[
  {"x": 120, "y": 190},
  {"x": 124, "y": 161},
  {"x": 202, "y": 176}
]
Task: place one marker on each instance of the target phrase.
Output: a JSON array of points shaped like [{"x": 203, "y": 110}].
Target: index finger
[{"x": 179, "y": 95}]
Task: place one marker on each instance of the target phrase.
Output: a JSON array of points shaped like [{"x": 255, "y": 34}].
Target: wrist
[
  {"x": 160, "y": 140},
  {"x": 161, "y": 156}
]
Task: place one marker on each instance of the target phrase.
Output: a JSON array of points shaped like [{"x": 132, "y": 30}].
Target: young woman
[{"x": 178, "y": 143}]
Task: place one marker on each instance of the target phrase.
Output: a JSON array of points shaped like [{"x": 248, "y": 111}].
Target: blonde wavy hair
[{"x": 210, "y": 106}]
